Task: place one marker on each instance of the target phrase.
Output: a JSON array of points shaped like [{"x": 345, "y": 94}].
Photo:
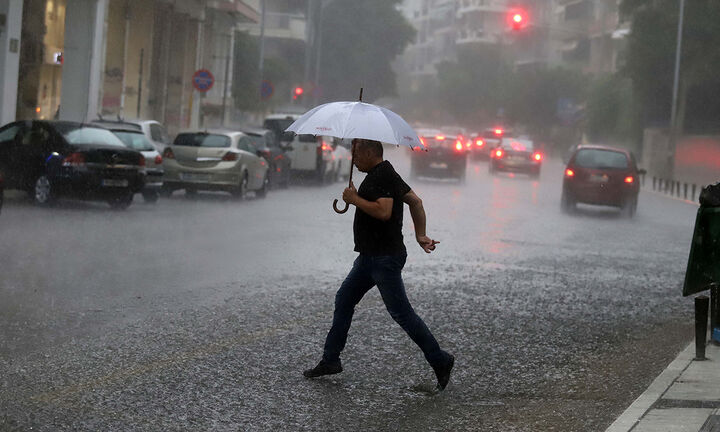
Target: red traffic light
[
  {"x": 299, "y": 91},
  {"x": 517, "y": 19}
]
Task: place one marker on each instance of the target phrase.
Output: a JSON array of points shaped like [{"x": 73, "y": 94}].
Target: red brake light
[
  {"x": 479, "y": 143},
  {"x": 230, "y": 156},
  {"x": 458, "y": 145},
  {"x": 629, "y": 179},
  {"x": 440, "y": 137},
  {"x": 168, "y": 153},
  {"x": 158, "y": 160},
  {"x": 537, "y": 156},
  {"x": 74, "y": 160},
  {"x": 498, "y": 153},
  {"x": 498, "y": 132},
  {"x": 569, "y": 173},
  {"x": 423, "y": 141}
]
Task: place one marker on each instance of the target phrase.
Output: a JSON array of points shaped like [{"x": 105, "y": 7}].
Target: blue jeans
[{"x": 383, "y": 271}]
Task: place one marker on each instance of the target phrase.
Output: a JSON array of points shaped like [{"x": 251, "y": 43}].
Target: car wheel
[
  {"x": 151, "y": 196},
  {"x": 166, "y": 192},
  {"x": 43, "y": 192},
  {"x": 286, "y": 179},
  {"x": 240, "y": 191},
  {"x": 121, "y": 202},
  {"x": 262, "y": 192},
  {"x": 629, "y": 208},
  {"x": 567, "y": 203}
]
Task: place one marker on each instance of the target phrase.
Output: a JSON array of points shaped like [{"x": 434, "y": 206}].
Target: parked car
[
  {"x": 446, "y": 156},
  {"x": 601, "y": 175},
  {"x": 274, "y": 152},
  {"x": 2, "y": 191},
  {"x": 155, "y": 132},
  {"x": 342, "y": 154},
  {"x": 310, "y": 155},
  {"x": 218, "y": 160},
  {"x": 488, "y": 140},
  {"x": 53, "y": 159},
  {"x": 133, "y": 138},
  {"x": 516, "y": 155}
]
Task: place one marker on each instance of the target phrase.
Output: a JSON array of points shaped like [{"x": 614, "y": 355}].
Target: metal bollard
[
  {"x": 694, "y": 186},
  {"x": 685, "y": 190},
  {"x": 701, "y": 321},
  {"x": 654, "y": 180}
]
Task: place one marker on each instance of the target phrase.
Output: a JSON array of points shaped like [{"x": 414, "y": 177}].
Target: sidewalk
[{"x": 684, "y": 398}]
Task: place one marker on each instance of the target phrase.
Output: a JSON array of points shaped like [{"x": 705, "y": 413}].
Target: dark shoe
[
  {"x": 443, "y": 373},
  {"x": 323, "y": 368}
]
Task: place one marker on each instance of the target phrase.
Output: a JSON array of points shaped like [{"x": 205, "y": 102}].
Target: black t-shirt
[{"x": 373, "y": 236}]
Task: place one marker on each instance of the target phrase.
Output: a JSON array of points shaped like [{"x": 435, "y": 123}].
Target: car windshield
[
  {"x": 202, "y": 140},
  {"x": 518, "y": 145},
  {"x": 134, "y": 140},
  {"x": 599, "y": 159},
  {"x": 83, "y": 135},
  {"x": 278, "y": 126}
]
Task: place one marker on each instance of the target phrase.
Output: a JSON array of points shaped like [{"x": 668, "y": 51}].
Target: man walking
[{"x": 378, "y": 238}]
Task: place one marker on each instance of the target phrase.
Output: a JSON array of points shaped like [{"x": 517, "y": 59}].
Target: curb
[
  {"x": 671, "y": 197},
  {"x": 633, "y": 414}
]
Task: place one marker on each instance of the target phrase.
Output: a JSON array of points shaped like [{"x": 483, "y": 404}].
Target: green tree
[
  {"x": 651, "y": 58},
  {"x": 359, "y": 41}
]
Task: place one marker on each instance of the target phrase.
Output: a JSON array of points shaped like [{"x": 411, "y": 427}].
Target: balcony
[{"x": 278, "y": 25}]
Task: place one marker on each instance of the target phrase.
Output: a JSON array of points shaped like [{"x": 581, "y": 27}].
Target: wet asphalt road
[{"x": 200, "y": 314}]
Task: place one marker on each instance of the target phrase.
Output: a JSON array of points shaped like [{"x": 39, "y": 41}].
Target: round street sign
[
  {"x": 203, "y": 80},
  {"x": 266, "y": 90}
]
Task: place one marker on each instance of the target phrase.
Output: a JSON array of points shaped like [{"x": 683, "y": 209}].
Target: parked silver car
[{"x": 217, "y": 160}]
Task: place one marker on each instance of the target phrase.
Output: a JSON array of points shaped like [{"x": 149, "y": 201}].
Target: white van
[{"x": 309, "y": 155}]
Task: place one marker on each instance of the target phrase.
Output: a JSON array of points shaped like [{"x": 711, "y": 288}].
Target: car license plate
[
  {"x": 438, "y": 165},
  {"x": 115, "y": 182},
  {"x": 599, "y": 178},
  {"x": 194, "y": 177}
]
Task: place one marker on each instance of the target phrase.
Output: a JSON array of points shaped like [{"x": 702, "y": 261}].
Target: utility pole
[
  {"x": 261, "y": 68},
  {"x": 676, "y": 81}
]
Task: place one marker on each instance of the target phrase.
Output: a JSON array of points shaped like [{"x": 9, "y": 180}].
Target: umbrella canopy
[{"x": 357, "y": 120}]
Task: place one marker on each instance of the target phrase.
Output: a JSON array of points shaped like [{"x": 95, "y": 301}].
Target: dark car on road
[
  {"x": 601, "y": 175},
  {"x": 516, "y": 155},
  {"x": 133, "y": 137},
  {"x": 273, "y": 150},
  {"x": 483, "y": 143},
  {"x": 52, "y": 159},
  {"x": 446, "y": 156}
]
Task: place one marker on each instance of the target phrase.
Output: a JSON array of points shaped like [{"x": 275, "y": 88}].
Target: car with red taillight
[
  {"x": 53, "y": 159},
  {"x": 215, "y": 160},
  {"x": 446, "y": 156},
  {"x": 134, "y": 138},
  {"x": 276, "y": 155},
  {"x": 601, "y": 175},
  {"x": 517, "y": 156}
]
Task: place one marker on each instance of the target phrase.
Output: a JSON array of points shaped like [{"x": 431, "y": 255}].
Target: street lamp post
[{"x": 676, "y": 85}]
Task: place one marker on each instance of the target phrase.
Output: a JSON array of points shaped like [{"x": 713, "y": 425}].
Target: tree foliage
[
  {"x": 359, "y": 41},
  {"x": 651, "y": 58}
]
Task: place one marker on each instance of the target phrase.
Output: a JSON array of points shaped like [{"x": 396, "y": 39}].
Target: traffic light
[
  {"x": 517, "y": 19},
  {"x": 297, "y": 93}
]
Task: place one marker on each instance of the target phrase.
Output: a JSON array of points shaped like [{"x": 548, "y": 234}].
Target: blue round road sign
[
  {"x": 203, "y": 80},
  {"x": 266, "y": 89}
]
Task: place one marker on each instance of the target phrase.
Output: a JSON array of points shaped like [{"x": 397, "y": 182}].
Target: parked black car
[
  {"x": 268, "y": 143},
  {"x": 52, "y": 159}
]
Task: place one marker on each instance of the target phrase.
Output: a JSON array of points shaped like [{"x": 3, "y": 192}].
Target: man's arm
[
  {"x": 380, "y": 209},
  {"x": 417, "y": 211}
]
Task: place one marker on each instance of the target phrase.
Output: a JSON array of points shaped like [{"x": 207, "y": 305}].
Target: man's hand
[
  {"x": 350, "y": 194},
  {"x": 427, "y": 243}
]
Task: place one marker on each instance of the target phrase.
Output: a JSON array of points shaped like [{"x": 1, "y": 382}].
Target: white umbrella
[{"x": 356, "y": 120}]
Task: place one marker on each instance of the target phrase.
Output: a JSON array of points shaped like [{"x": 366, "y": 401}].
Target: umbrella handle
[{"x": 340, "y": 211}]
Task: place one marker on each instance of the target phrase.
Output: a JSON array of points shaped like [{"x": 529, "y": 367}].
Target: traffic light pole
[{"x": 676, "y": 84}]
